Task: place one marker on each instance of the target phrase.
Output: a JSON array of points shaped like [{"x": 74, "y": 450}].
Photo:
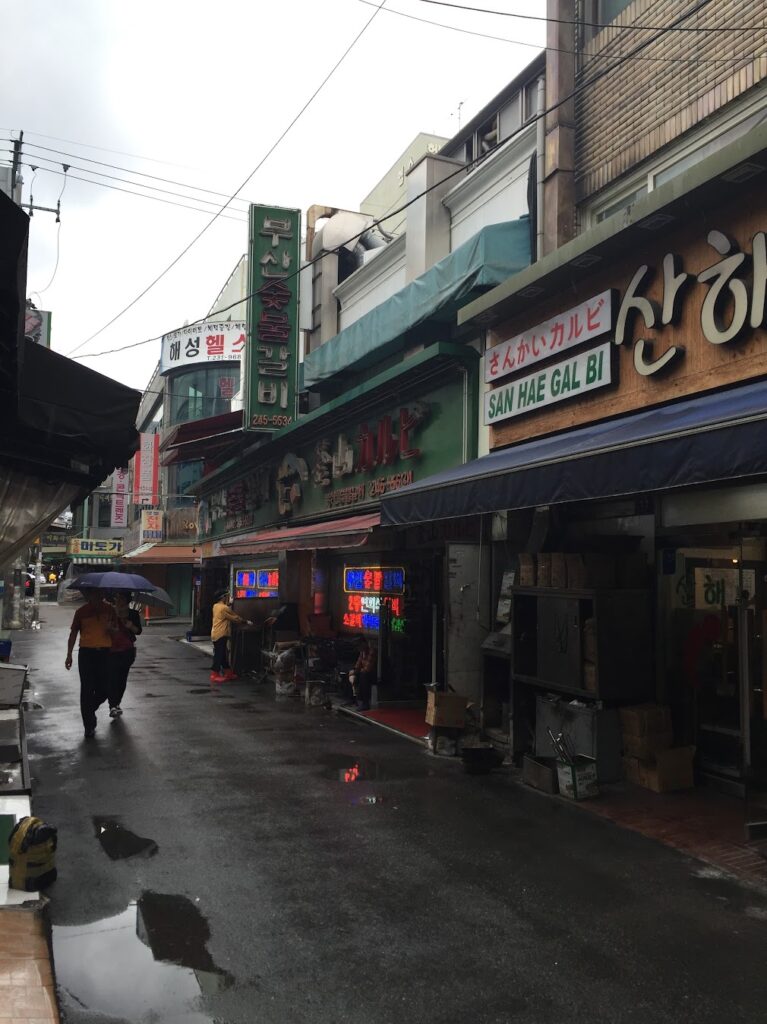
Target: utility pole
[
  {"x": 16, "y": 168},
  {"x": 16, "y": 183}
]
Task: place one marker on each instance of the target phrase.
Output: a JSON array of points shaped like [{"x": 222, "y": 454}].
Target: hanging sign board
[
  {"x": 574, "y": 376},
  {"x": 271, "y": 354},
  {"x": 572, "y": 328}
]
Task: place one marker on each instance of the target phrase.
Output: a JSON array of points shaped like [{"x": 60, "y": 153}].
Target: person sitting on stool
[{"x": 365, "y": 674}]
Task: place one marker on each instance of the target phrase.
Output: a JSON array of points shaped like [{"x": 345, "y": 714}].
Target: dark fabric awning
[
  {"x": 713, "y": 437},
  {"x": 351, "y": 532}
]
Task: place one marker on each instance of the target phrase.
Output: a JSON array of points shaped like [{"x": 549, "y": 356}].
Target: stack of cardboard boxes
[
  {"x": 586, "y": 571},
  {"x": 650, "y": 759}
]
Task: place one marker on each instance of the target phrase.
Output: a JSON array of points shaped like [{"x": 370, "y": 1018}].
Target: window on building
[
  {"x": 201, "y": 392},
  {"x": 620, "y": 205},
  {"x": 487, "y": 136},
  {"x": 597, "y": 13},
  {"x": 182, "y": 475},
  {"x": 103, "y": 513},
  {"x": 530, "y": 100}
]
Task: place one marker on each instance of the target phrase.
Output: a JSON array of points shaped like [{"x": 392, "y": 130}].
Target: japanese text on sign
[{"x": 573, "y": 327}]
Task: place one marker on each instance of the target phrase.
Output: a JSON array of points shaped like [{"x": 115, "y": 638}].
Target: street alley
[{"x": 224, "y": 857}]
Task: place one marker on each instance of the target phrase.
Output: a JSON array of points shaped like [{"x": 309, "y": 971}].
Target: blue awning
[
  {"x": 709, "y": 438},
  {"x": 489, "y": 257}
]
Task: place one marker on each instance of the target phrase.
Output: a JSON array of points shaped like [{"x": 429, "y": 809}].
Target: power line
[
  {"x": 138, "y": 184},
  {"x": 587, "y": 24},
  {"x": 58, "y": 237},
  {"x": 141, "y": 195},
  {"x": 469, "y": 165},
  {"x": 129, "y": 170},
  {"x": 260, "y": 164},
  {"x": 697, "y": 61},
  {"x": 103, "y": 149}
]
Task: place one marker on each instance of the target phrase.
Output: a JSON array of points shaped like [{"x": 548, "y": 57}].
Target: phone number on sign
[{"x": 271, "y": 421}]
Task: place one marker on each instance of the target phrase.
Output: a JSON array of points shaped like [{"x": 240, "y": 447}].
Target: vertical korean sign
[
  {"x": 146, "y": 467},
  {"x": 119, "y": 498},
  {"x": 271, "y": 361}
]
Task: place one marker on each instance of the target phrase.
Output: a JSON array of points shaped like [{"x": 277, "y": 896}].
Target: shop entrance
[{"x": 724, "y": 667}]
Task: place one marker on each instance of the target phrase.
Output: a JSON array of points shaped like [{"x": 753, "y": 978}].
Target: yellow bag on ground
[{"x": 32, "y": 855}]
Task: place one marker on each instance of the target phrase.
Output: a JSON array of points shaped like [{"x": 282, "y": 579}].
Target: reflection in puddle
[
  {"x": 31, "y": 705},
  {"x": 149, "y": 963},
  {"x": 119, "y": 843},
  {"x": 348, "y": 769}
]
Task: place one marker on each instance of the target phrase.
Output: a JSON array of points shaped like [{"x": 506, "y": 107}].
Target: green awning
[{"x": 490, "y": 257}]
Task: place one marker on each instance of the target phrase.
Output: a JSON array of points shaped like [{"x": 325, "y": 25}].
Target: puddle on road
[
  {"x": 352, "y": 769},
  {"x": 120, "y": 843},
  {"x": 348, "y": 768},
  {"x": 32, "y": 705},
  {"x": 148, "y": 963}
]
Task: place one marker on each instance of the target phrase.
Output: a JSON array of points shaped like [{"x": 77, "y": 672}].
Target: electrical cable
[
  {"x": 129, "y": 170},
  {"x": 58, "y": 234},
  {"x": 463, "y": 169},
  {"x": 258, "y": 166},
  {"x": 561, "y": 49},
  {"x": 113, "y": 177},
  {"x": 587, "y": 24},
  {"x": 88, "y": 145},
  {"x": 142, "y": 195}
]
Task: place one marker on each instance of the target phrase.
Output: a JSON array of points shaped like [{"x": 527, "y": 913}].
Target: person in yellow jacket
[{"x": 221, "y": 630}]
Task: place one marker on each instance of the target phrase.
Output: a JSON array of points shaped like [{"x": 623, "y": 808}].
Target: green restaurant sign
[
  {"x": 271, "y": 356},
  {"x": 347, "y": 464},
  {"x": 566, "y": 379}
]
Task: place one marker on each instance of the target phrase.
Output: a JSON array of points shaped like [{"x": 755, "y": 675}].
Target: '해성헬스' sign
[
  {"x": 271, "y": 362},
  {"x": 209, "y": 342},
  {"x": 577, "y": 375}
]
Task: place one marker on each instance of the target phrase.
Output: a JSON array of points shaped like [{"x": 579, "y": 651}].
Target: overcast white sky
[{"x": 198, "y": 93}]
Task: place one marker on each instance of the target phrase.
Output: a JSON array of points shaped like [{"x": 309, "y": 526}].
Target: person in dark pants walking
[
  {"x": 92, "y": 621},
  {"x": 125, "y": 629}
]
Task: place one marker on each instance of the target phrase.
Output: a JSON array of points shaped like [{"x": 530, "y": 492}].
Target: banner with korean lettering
[
  {"x": 209, "y": 342},
  {"x": 146, "y": 469},
  {"x": 119, "y": 498},
  {"x": 271, "y": 359}
]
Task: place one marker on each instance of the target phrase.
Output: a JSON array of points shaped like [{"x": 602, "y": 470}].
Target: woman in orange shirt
[{"x": 93, "y": 621}]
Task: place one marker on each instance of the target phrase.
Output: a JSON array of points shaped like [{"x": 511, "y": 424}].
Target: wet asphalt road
[{"x": 213, "y": 866}]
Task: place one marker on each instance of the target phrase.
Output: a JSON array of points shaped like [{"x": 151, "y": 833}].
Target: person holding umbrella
[
  {"x": 124, "y": 630},
  {"x": 93, "y": 622}
]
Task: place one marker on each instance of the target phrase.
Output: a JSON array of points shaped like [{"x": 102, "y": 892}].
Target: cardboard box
[
  {"x": 647, "y": 746},
  {"x": 645, "y": 719},
  {"x": 590, "y": 678},
  {"x": 543, "y": 573},
  {"x": 540, "y": 773},
  {"x": 558, "y": 570},
  {"x": 576, "y": 572},
  {"x": 526, "y": 571},
  {"x": 446, "y": 709},
  {"x": 578, "y": 781},
  {"x": 671, "y": 770}
]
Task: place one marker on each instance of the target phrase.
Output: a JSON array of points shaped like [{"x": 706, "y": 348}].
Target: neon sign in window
[
  {"x": 256, "y": 583},
  {"x": 363, "y": 613},
  {"x": 374, "y": 579}
]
